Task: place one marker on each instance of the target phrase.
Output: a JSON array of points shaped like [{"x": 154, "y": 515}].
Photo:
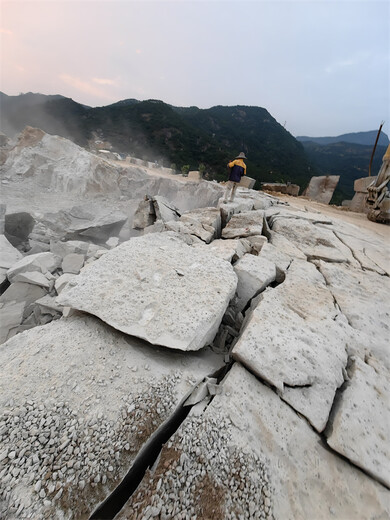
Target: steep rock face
[
  {"x": 162, "y": 291},
  {"x": 58, "y": 164},
  {"x": 77, "y": 402}
]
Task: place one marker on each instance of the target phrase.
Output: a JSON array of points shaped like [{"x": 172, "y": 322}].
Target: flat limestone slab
[
  {"x": 229, "y": 249},
  {"x": 360, "y": 427},
  {"x": 363, "y": 296},
  {"x": 296, "y": 340},
  {"x": 244, "y": 224},
  {"x": 316, "y": 242},
  {"x": 157, "y": 288},
  {"x": 81, "y": 399},
  {"x": 250, "y": 454}
]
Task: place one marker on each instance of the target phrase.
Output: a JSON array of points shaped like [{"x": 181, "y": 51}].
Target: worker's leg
[
  {"x": 235, "y": 184},
  {"x": 229, "y": 186}
]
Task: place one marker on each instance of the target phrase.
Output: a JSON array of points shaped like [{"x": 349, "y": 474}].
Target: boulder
[
  {"x": 247, "y": 182},
  {"x": 33, "y": 277},
  {"x": 3, "y": 209},
  {"x": 188, "y": 225},
  {"x": 22, "y": 292},
  {"x": 244, "y": 225},
  {"x": 145, "y": 214},
  {"x": 254, "y": 274},
  {"x": 62, "y": 281},
  {"x": 321, "y": 188},
  {"x": 93, "y": 223},
  {"x": 157, "y": 288},
  {"x": 359, "y": 427},
  {"x": 96, "y": 398},
  {"x": 273, "y": 254},
  {"x": 40, "y": 262},
  {"x": 71, "y": 246},
  {"x": 164, "y": 209},
  {"x": 195, "y": 176},
  {"x": 296, "y": 340},
  {"x": 206, "y": 217}
]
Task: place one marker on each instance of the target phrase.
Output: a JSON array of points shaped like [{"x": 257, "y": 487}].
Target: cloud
[
  {"x": 339, "y": 65},
  {"x": 104, "y": 81},
  {"x": 86, "y": 87},
  {"x": 138, "y": 51},
  {"x": 5, "y": 31}
]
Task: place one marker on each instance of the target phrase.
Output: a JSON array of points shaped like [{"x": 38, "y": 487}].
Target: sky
[{"x": 321, "y": 68}]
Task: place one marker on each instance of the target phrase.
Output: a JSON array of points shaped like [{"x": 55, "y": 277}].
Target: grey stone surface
[
  {"x": 191, "y": 226},
  {"x": 254, "y": 274},
  {"x": 86, "y": 398},
  {"x": 41, "y": 262},
  {"x": 296, "y": 340},
  {"x": 314, "y": 241},
  {"x": 33, "y": 277},
  {"x": 163, "y": 291},
  {"x": 22, "y": 292},
  {"x": 321, "y": 188},
  {"x": 229, "y": 249},
  {"x": 359, "y": 428},
  {"x": 244, "y": 225},
  {"x": 72, "y": 263},
  {"x": 145, "y": 214},
  {"x": 62, "y": 281},
  {"x": 363, "y": 296},
  {"x": 11, "y": 317},
  {"x": 207, "y": 217},
  {"x": 164, "y": 209},
  {"x": 71, "y": 246},
  {"x": 9, "y": 255}
]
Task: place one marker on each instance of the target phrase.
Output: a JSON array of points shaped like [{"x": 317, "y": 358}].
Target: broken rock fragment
[
  {"x": 157, "y": 288},
  {"x": 244, "y": 224}
]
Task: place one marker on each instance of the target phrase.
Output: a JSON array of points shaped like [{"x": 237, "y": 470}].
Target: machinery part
[{"x": 378, "y": 197}]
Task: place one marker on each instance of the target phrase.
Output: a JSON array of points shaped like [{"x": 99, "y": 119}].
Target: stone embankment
[{"x": 245, "y": 344}]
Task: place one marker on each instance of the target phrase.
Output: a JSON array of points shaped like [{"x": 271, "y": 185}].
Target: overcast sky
[{"x": 320, "y": 67}]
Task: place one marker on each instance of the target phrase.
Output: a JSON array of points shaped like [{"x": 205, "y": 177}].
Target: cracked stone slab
[
  {"x": 285, "y": 246},
  {"x": 209, "y": 216},
  {"x": 248, "y": 455},
  {"x": 254, "y": 274},
  {"x": 296, "y": 340},
  {"x": 363, "y": 296},
  {"x": 359, "y": 427},
  {"x": 93, "y": 397},
  {"x": 244, "y": 224},
  {"x": 229, "y": 249},
  {"x": 316, "y": 242},
  {"x": 274, "y": 254},
  {"x": 192, "y": 226},
  {"x": 164, "y": 209},
  {"x": 157, "y": 288}
]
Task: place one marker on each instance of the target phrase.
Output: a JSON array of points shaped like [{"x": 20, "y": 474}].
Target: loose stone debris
[{"x": 293, "y": 305}]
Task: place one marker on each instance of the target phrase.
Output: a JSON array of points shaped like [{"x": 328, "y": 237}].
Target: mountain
[
  {"x": 363, "y": 138},
  {"x": 154, "y": 130}
]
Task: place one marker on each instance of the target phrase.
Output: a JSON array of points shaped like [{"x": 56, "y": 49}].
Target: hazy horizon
[{"x": 321, "y": 68}]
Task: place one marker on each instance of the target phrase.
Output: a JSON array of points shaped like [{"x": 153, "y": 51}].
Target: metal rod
[{"x": 373, "y": 151}]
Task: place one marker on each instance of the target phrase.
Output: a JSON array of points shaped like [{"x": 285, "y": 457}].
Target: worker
[{"x": 237, "y": 170}]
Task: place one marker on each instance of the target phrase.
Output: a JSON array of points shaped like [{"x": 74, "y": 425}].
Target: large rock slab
[
  {"x": 316, "y": 242},
  {"x": 363, "y": 296},
  {"x": 321, "y": 188},
  {"x": 157, "y": 288},
  {"x": 248, "y": 455},
  {"x": 254, "y": 274},
  {"x": 192, "y": 227},
  {"x": 206, "y": 216},
  {"x": 77, "y": 402},
  {"x": 11, "y": 318},
  {"x": 296, "y": 340},
  {"x": 244, "y": 224},
  {"x": 359, "y": 428}
]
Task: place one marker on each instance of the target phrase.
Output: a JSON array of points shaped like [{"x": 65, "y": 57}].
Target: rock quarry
[{"x": 165, "y": 355}]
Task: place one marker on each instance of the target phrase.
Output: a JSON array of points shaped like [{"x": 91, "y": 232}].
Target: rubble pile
[{"x": 244, "y": 342}]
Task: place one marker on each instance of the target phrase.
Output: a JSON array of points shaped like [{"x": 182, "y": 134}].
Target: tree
[{"x": 185, "y": 169}]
